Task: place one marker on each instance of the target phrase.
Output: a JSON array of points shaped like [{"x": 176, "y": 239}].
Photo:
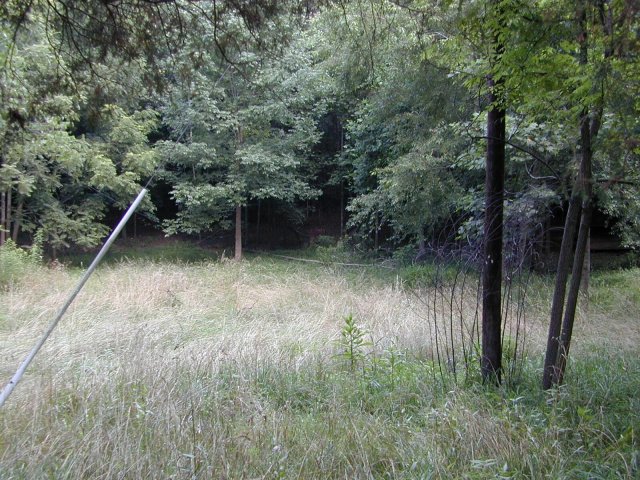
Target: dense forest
[{"x": 403, "y": 127}]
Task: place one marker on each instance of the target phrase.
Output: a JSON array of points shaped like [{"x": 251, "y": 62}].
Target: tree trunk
[
  {"x": 491, "y": 362},
  {"x": 238, "y": 248},
  {"x": 547, "y": 242},
  {"x": 3, "y": 217},
  {"x": 422, "y": 248},
  {"x": 585, "y": 191},
  {"x": 573, "y": 295},
  {"x": 245, "y": 237},
  {"x": 341, "y": 208},
  {"x": 7, "y": 220},
  {"x": 559, "y": 337},
  {"x": 341, "y": 182},
  {"x": 376, "y": 237},
  {"x": 556, "y": 358},
  {"x": 238, "y": 230},
  {"x": 17, "y": 222},
  {"x": 557, "y": 305},
  {"x": 586, "y": 275}
]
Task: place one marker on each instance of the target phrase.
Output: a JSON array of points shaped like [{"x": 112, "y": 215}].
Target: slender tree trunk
[
  {"x": 422, "y": 248},
  {"x": 341, "y": 208},
  {"x": 3, "y": 218},
  {"x": 376, "y": 237},
  {"x": 547, "y": 243},
  {"x": 524, "y": 251},
  {"x": 238, "y": 248},
  {"x": 586, "y": 274},
  {"x": 17, "y": 222},
  {"x": 245, "y": 237},
  {"x": 238, "y": 229},
  {"x": 491, "y": 362},
  {"x": 7, "y": 220},
  {"x": 584, "y": 180},
  {"x": 573, "y": 295},
  {"x": 557, "y": 305},
  {"x": 341, "y": 183}
]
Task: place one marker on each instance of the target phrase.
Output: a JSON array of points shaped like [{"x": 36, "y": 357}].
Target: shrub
[
  {"x": 16, "y": 262},
  {"x": 430, "y": 275},
  {"x": 325, "y": 241}
]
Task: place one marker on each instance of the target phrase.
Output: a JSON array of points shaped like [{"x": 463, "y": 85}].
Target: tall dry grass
[
  {"x": 258, "y": 312},
  {"x": 225, "y": 370}
]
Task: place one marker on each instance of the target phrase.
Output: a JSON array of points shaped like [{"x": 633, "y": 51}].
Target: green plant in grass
[
  {"x": 353, "y": 342},
  {"x": 325, "y": 241},
  {"x": 329, "y": 251},
  {"x": 390, "y": 366},
  {"x": 428, "y": 275},
  {"x": 514, "y": 356}
]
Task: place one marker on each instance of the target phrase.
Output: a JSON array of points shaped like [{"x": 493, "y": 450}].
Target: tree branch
[{"x": 532, "y": 154}]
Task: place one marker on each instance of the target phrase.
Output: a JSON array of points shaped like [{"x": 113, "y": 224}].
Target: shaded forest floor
[{"x": 212, "y": 369}]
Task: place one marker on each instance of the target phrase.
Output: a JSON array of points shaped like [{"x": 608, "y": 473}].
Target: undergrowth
[
  {"x": 389, "y": 419},
  {"x": 17, "y": 263},
  {"x": 149, "y": 249}
]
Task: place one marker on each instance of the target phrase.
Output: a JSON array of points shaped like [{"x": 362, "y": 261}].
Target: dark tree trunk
[
  {"x": 585, "y": 190},
  {"x": 559, "y": 292},
  {"x": 7, "y": 220},
  {"x": 245, "y": 237},
  {"x": 341, "y": 183},
  {"x": 238, "y": 247},
  {"x": 17, "y": 222},
  {"x": 491, "y": 363},
  {"x": 341, "y": 208},
  {"x": 573, "y": 295},
  {"x": 3, "y": 217},
  {"x": 586, "y": 274},
  {"x": 376, "y": 234},
  {"x": 238, "y": 229}
]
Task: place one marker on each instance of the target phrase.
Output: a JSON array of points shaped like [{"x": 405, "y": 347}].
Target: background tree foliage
[{"x": 53, "y": 179}]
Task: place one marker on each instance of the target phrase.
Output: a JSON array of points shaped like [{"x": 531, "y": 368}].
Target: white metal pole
[{"x": 105, "y": 248}]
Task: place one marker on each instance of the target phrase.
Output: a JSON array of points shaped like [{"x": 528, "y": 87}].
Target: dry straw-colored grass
[
  {"x": 107, "y": 394},
  {"x": 150, "y": 373}
]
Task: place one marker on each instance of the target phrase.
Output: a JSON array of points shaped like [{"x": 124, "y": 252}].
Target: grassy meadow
[{"x": 217, "y": 369}]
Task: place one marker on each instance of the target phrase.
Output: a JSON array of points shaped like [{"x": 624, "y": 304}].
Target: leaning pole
[{"x": 6, "y": 391}]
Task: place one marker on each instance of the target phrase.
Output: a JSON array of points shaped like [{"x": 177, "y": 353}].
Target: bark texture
[
  {"x": 559, "y": 292},
  {"x": 491, "y": 363}
]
